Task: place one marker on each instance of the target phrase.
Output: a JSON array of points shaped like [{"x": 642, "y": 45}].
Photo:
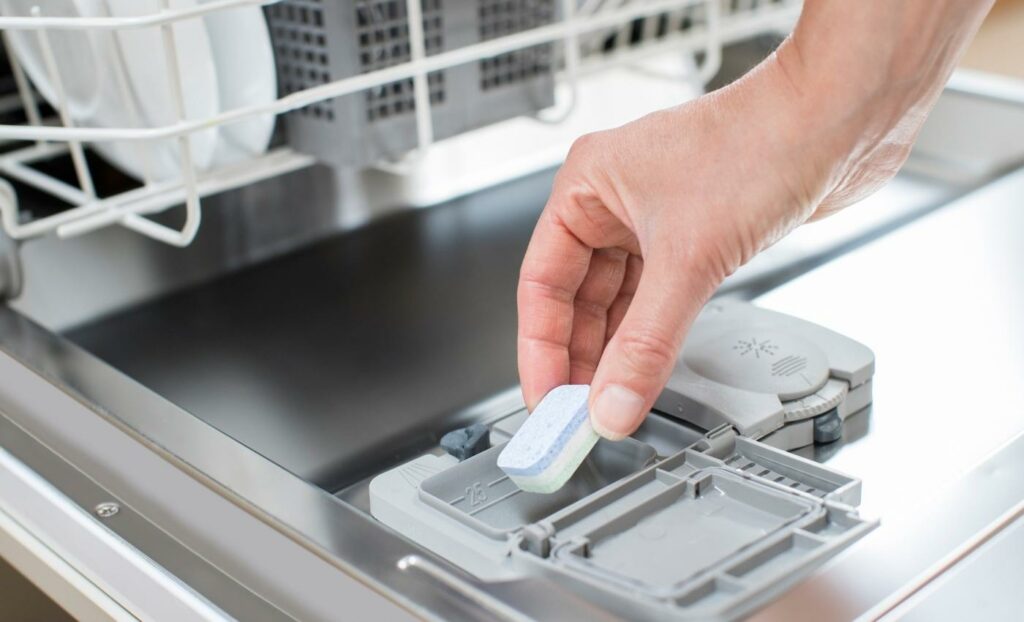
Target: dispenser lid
[
  {"x": 759, "y": 359},
  {"x": 705, "y": 537},
  {"x": 756, "y": 370}
]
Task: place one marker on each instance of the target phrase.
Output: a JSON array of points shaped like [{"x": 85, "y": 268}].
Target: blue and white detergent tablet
[{"x": 552, "y": 442}]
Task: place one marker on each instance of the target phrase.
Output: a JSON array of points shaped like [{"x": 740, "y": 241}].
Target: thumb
[{"x": 639, "y": 358}]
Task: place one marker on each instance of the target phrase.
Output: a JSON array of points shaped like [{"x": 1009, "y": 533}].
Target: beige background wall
[{"x": 999, "y": 46}]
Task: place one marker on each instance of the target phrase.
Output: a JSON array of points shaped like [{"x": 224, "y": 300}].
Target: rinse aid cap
[
  {"x": 762, "y": 372},
  {"x": 761, "y": 361}
]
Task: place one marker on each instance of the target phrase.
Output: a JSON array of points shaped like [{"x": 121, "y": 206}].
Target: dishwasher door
[{"x": 235, "y": 420}]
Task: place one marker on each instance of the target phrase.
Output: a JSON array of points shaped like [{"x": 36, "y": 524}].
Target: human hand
[{"x": 646, "y": 220}]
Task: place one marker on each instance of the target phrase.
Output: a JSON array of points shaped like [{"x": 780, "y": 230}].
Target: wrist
[{"x": 859, "y": 79}]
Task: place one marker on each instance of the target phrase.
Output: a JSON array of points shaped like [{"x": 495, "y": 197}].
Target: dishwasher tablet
[{"x": 552, "y": 442}]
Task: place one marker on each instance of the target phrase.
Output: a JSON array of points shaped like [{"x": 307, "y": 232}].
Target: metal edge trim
[{"x": 131, "y": 579}]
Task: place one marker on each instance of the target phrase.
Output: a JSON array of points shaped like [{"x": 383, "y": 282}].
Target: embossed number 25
[{"x": 477, "y": 493}]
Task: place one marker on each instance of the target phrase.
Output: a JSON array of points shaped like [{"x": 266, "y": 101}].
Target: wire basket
[{"x": 361, "y": 81}]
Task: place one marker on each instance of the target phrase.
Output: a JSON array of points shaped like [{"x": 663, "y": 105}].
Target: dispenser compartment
[
  {"x": 692, "y": 517},
  {"x": 479, "y": 494}
]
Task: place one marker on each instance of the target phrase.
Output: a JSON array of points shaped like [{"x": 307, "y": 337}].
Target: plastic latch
[
  {"x": 719, "y": 442},
  {"x": 698, "y": 485},
  {"x": 467, "y": 442},
  {"x": 537, "y": 538}
]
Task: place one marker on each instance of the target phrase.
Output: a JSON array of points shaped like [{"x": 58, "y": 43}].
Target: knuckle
[
  {"x": 647, "y": 353},
  {"x": 584, "y": 145},
  {"x": 582, "y": 369},
  {"x": 530, "y": 284},
  {"x": 590, "y": 309}
]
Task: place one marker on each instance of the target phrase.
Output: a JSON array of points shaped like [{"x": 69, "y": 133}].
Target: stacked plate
[{"x": 121, "y": 78}]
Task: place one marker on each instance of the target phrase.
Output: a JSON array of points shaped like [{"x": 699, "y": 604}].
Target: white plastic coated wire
[{"x": 578, "y": 19}]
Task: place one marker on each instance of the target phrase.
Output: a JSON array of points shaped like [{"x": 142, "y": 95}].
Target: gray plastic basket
[{"x": 317, "y": 41}]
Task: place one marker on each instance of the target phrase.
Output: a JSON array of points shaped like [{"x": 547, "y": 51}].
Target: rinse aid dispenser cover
[{"x": 769, "y": 375}]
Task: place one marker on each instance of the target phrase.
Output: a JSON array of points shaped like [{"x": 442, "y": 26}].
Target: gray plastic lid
[
  {"x": 761, "y": 360},
  {"x": 758, "y": 370}
]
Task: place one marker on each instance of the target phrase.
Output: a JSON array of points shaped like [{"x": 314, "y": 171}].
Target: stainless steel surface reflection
[
  {"x": 340, "y": 358},
  {"x": 986, "y": 582},
  {"x": 942, "y": 305},
  {"x": 343, "y": 357}
]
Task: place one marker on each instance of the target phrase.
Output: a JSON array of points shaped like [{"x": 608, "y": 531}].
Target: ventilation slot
[{"x": 744, "y": 464}]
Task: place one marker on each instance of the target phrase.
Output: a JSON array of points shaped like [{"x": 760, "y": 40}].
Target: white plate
[
  {"x": 142, "y": 51},
  {"x": 246, "y": 76},
  {"x": 85, "y": 62},
  {"x": 76, "y": 55},
  {"x": 91, "y": 91}
]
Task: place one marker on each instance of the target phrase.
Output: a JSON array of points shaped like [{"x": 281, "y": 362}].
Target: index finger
[{"x": 555, "y": 265}]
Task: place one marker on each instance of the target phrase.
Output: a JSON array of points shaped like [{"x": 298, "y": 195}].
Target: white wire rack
[{"x": 579, "y": 29}]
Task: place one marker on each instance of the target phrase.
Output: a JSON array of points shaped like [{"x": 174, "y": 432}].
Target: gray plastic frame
[
  {"x": 691, "y": 517},
  {"x": 747, "y": 522}
]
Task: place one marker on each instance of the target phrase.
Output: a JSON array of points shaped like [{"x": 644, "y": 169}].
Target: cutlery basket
[{"x": 320, "y": 41}]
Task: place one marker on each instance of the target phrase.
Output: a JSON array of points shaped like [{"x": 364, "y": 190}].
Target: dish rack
[{"x": 420, "y": 90}]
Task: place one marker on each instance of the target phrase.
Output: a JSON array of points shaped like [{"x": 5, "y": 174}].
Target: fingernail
[{"x": 615, "y": 412}]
